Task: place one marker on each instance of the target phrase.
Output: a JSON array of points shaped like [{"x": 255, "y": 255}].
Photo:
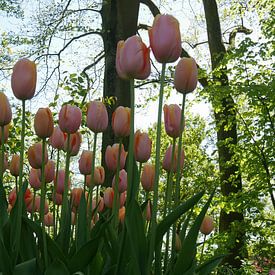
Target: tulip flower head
[
  {"x": 5, "y": 110},
  {"x": 172, "y": 119},
  {"x": 35, "y": 155},
  {"x": 14, "y": 165},
  {"x": 122, "y": 198},
  {"x": 133, "y": 59},
  {"x": 69, "y": 119},
  {"x": 121, "y": 121},
  {"x": 167, "y": 161},
  {"x": 57, "y": 138},
  {"x": 43, "y": 123},
  {"x": 142, "y": 146},
  {"x": 85, "y": 162},
  {"x": 23, "y": 79},
  {"x": 75, "y": 142},
  {"x": 34, "y": 178},
  {"x": 111, "y": 156},
  {"x": 59, "y": 184},
  {"x": 121, "y": 214},
  {"x": 207, "y": 225},
  {"x": 76, "y": 196},
  {"x": 148, "y": 177},
  {"x": 165, "y": 38},
  {"x": 108, "y": 197},
  {"x": 97, "y": 117},
  {"x": 122, "y": 181},
  {"x": 48, "y": 219}
]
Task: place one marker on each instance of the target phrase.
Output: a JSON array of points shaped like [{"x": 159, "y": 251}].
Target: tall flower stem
[
  {"x": 2, "y": 156},
  {"x": 33, "y": 204},
  {"x": 178, "y": 174},
  {"x": 157, "y": 165},
  {"x": 42, "y": 203},
  {"x": 54, "y": 194}
]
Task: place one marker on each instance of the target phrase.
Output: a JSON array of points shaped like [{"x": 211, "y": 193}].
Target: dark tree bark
[{"x": 119, "y": 21}]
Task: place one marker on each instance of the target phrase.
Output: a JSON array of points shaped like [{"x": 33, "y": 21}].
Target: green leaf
[
  {"x": 165, "y": 224},
  {"x": 82, "y": 222},
  {"x": 27, "y": 267},
  {"x": 3, "y": 207},
  {"x": 57, "y": 267},
  {"x": 5, "y": 263},
  {"x": 209, "y": 265}
]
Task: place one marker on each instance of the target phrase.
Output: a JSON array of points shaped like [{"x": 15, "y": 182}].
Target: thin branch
[{"x": 238, "y": 29}]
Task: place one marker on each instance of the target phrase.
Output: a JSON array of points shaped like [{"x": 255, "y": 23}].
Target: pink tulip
[
  {"x": 34, "y": 178},
  {"x": 57, "y": 198},
  {"x": 167, "y": 165},
  {"x": 108, "y": 197},
  {"x": 100, "y": 204},
  {"x": 60, "y": 182},
  {"x": 99, "y": 175},
  {"x": 122, "y": 198},
  {"x": 49, "y": 171},
  {"x": 142, "y": 146},
  {"x": 165, "y": 38},
  {"x": 37, "y": 205},
  {"x": 122, "y": 181},
  {"x": 76, "y": 196},
  {"x": 111, "y": 156},
  {"x": 121, "y": 121},
  {"x": 207, "y": 225},
  {"x": 97, "y": 117},
  {"x": 172, "y": 119},
  {"x": 27, "y": 197},
  {"x": 85, "y": 162},
  {"x": 5, "y": 110},
  {"x": 35, "y": 155},
  {"x": 48, "y": 219},
  {"x": 69, "y": 119},
  {"x": 57, "y": 138},
  {"x": 23, "y": 79},
  {"x": 121, "y": 214},
  {"x": 148, "y": 177},
  {"x": 75, "y": 142},
  {"x": 43, "y": 123},
  {"x": 186, "y": 75},
  {"x": 6, "y": 133},
  {"x": 133, "y": 59},
  {"x": 14, "y": 165}
]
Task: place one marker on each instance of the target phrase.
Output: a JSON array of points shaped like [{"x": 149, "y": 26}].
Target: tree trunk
[
  {"x": 119, "y": 21},
  {"x": 225, "y": 118}
]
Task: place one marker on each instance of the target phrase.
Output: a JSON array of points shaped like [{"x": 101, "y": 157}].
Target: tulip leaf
[
  {"x": 82, "y": 222},
  {"x": 3, "y": 207},
  {"x": 165, "y": 224},
  {"x": 209, "y": 265},
  {"x": 27, "y": 267},
  {"x": 5, "y": 263},
  {"x": 57, "y": 267},
  {"x": 134, "y": 185},
  {"x": 187, "y": 255}
]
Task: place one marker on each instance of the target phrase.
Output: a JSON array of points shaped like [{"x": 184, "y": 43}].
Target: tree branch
[{"x": 238, "y": 29}]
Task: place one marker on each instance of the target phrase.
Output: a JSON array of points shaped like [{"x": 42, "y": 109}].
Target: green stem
[
  {"x": 2, "y": 156},
  {"x": 204, "y": 238},
  {"x": 16, "y": 184},
  {"x": 157, "y": 165},
  {"x": 54, "y": 194},
  {"x": 139, "y": 173},
  {"x": 33, "y": 204}
]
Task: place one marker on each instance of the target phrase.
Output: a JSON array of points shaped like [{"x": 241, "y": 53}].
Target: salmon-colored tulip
[
  {"x": 85, "y": 162},
  {"x": 108, "y": 197},
  {"x": 122, "y": 198},
  {"x": 27, "y": 197},
  {"x": 121, "y": 121},
  {"x": 48, "y": 219},
  {"x": 34, "y": 178},
  {"x": 6, "y": 133},
  {"x": 43, "y": 123},
  {"x": 37, "y": 205},
  {"x": 14, "y": 165},
  {"x": 100, "y": 204},
  {"x": 186, "y": 75},
  {"x": 111, "y": 156},
  {"x": 207, "y": 225},
  {"x": 121, "y": 214},
  {"x": 57, "y": 198},
  {"x": 59, "y": 185},
  {"x": 75, "y": 142},
  {"x": 5, "y": 110},
  {"x": 97, "y": 117},
  {"x": 165, "y": 38},
  {"x": 76, "y": 196},
  {"x": 57, "y": 138},
  {"x": 122, "y": 181},
  {"x": 35, "y": 155},
  {"x": 142, "y": 146},
  {"x": 23, "y": 79},
  {"x": 172, "y": 119},
  {"x": 69, "y": 119},
  {"x": 148, "y": 177},
  {"x": 133, "y": 59},
  {"x": 167, "y": 165},
  {"x": 99, "y": 175},
  {"x": 49, "y": 171}
]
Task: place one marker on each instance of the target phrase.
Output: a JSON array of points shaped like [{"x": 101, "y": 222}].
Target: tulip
[
  {"x": 108, "y": 197},
  {"x": 85, "y": 162},
  {"x": 166, "y": 164},
  {"x": 75, "y": 142},
  {"x": 122, "y": 199},
  {"x": 172, "y": 119},
  {"x": 5, "y": 110},
  {"x": 43, "y": 123},
  {"x": 60, "y": 182},
  {"x": 99, "y": 204},
  {"x": 207, "y": 225},
  {"x": 6, "y": 133},
  {"x": 48, "y": 219},
  {"x": 121, "y": 214},
  {"x": 34, "y": 179},
  {"x": 122, "y": 181},
  {"x": 14, "y": 165},
  {"x": 49, "y": 171},
  {"x": 148, "y": 177},
  {"x": 111, "y": 156},
  {"x": 142, "y": 146},
  {"x": 37, "y": 205},
  {"x": 69, "y": 119},
  {"x": 57, "y": 138},
  {"x": 23, "y": 79},
  {"x": 27, "y": 197},
  {"x": 35, "y": 155},
  {"x": 133, "y": 59},
  {"x": 76, "y": 196},
  {"x": 99, "y": 175},
  {"x": 186, "y": 75},
  {"x": 97, "y": 117},
  {"x": 121, "y": 121},
  {"x": 165, "y": 39},
  {"x": 57, "y": 198}
]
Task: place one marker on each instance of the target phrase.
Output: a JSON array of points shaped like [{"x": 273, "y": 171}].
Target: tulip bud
[
  {"x": 186, "y": 75},
  {"x": 142, "y": 146},
  {"x": 14, "y": 165},
  {"x": 108, "y": 197},
  {"x": 48, "y": 219},
  {"x": 5, "y": 110},
  {"x": 148, "y": 177},
  {"x": 207, "y": 225},
  {"x": 49, "y": 171},
  {"x": 27, "y": 197},
  {"x": 59, "y": 185},
  {"x": 35, "y": 155},
  {"x": 122, "y": 198},
  {"x": 121, "y": 214},
  {"x": 97, "y": 117},
  {"x": 69, "y": 119},
  {"x": 167, "y": 161},
  {"x": 57, "y": 138},
  {"x": 99, "y": 175},
  {"x": 111, "y": 157},
  {"x": 122, "y": 181},
  {"x": 43, "y": 123},
  {"x": 165, "y": 38},
  {"x": 76, "y": 196},
  {"x": 133, "y": 59},
  {"x": 34, "y": 179},
  {"x": 75, "y": 142},
  {"x": 6, "y": 133},
  {"x": 172, "y": 119},
  {"x": 85, "y": 162},
  {"x": 121, "y": 121}
]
